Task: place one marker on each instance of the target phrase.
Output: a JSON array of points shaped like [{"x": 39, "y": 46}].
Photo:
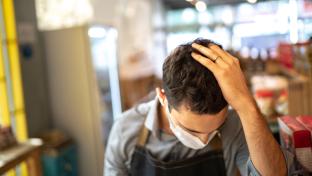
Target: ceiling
[{"x": 181, "y": 4}]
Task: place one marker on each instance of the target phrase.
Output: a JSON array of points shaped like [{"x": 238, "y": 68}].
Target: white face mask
[{"x": 185, "y": 137}]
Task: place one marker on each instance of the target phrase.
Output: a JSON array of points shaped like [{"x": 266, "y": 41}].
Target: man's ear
[{"x": 161, "y": 96}]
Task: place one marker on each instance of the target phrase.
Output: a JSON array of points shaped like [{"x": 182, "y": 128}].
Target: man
[{"x": 189, "y": 130}]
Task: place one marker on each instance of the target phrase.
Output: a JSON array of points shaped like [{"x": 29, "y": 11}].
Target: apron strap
[{"x": 144, "y": 133}]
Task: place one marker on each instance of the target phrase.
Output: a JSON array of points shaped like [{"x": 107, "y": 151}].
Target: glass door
[{"x": 104, "y": 57}]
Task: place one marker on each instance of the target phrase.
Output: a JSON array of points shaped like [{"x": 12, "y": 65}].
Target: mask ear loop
[
  {"x": 169, "y": 108},
  {"x": 171, "y": 123}
]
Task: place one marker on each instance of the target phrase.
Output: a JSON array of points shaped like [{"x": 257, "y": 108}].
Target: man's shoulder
[
  {"x": 129, "y": 123},
  {"x": 123, "y": 137},
  {"x": 233, "y": 119},
  {"x": 232, "y": 126}
]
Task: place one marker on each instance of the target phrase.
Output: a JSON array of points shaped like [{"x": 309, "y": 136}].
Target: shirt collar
[{"x": 152, "y": 121}]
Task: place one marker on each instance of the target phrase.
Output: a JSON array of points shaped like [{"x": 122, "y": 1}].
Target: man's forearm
[{"x": 265, "y": 152}]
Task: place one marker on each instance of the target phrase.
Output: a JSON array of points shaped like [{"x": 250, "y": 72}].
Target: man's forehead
[{"x": 185, "y": 110}]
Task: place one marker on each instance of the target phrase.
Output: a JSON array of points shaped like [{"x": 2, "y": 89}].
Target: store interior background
[{"x": 83, "y": 62}]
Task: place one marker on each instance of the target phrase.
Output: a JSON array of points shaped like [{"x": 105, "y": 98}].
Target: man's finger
[
  {"x": 216, "y": 58},
  {"x": 205, "y": 51},
  {"x": 224, "y": 55},
  {"x": 221, "y": 62},
  {"x": 205, "y": 62}
]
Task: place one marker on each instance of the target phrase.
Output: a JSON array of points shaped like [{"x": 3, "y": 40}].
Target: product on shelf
[
  {"x": 265, "y": 101},
  {"x": 281, "y": 104},
  {"x": 285, "y": 54},
  {"x": 270, "y": 93},
  {"x": 296, "y": 138}
]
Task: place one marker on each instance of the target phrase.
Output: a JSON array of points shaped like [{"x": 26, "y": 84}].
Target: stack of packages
[
  {"x": 296, "y": 138},
  {"x": 297, "y": 58},
  {"x": 300, "y": 90},
  {"x": 299, "y": 97}
]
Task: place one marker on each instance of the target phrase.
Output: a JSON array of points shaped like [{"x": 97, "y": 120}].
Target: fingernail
[{"x": 194, "y": 44}]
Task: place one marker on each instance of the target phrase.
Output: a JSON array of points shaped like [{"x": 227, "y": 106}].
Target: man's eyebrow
[{"x": 194, "y": 131}]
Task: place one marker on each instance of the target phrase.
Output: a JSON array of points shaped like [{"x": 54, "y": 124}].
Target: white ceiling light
[
  {"x": 188, "y": 15},
  {"x": 201, "y": 6},
  {"x": 252, "y": 1},
  {"x": 227, "y": 15},
  {"x": 205, "y": 18},
  {"x": 96, "y": 32}
]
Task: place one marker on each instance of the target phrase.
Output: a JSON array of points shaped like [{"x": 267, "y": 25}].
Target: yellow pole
[
  {"x": 4, "y": 104},
  {"x": 17, "y": 91},
  {"x": 9, "y": 20}
]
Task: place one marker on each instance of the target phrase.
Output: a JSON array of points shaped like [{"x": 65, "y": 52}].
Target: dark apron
[{"x": 144, "y": 164}]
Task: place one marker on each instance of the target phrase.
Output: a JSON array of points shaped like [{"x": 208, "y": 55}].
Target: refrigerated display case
[{"x": 103, "y": 50}]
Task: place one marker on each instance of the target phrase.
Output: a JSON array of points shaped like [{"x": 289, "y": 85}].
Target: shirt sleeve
[
  {"x": 115, "y": 158},
  {"x": 246, "y": 166},
  {"x": 242, "y": 159},
  {"x": 289, "y": 158}
]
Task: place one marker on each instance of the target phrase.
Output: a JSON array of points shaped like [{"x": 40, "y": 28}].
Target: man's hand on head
[{"x": 228, "y": 73}]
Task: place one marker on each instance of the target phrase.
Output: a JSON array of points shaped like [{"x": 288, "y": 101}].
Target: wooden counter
[{"x": 28, "y": 152}]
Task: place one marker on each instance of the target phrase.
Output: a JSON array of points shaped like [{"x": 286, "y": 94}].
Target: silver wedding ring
[{"x": 218, "y": 57}]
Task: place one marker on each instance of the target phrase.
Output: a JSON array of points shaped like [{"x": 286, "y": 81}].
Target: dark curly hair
[{"x": 187, "y": 82}]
